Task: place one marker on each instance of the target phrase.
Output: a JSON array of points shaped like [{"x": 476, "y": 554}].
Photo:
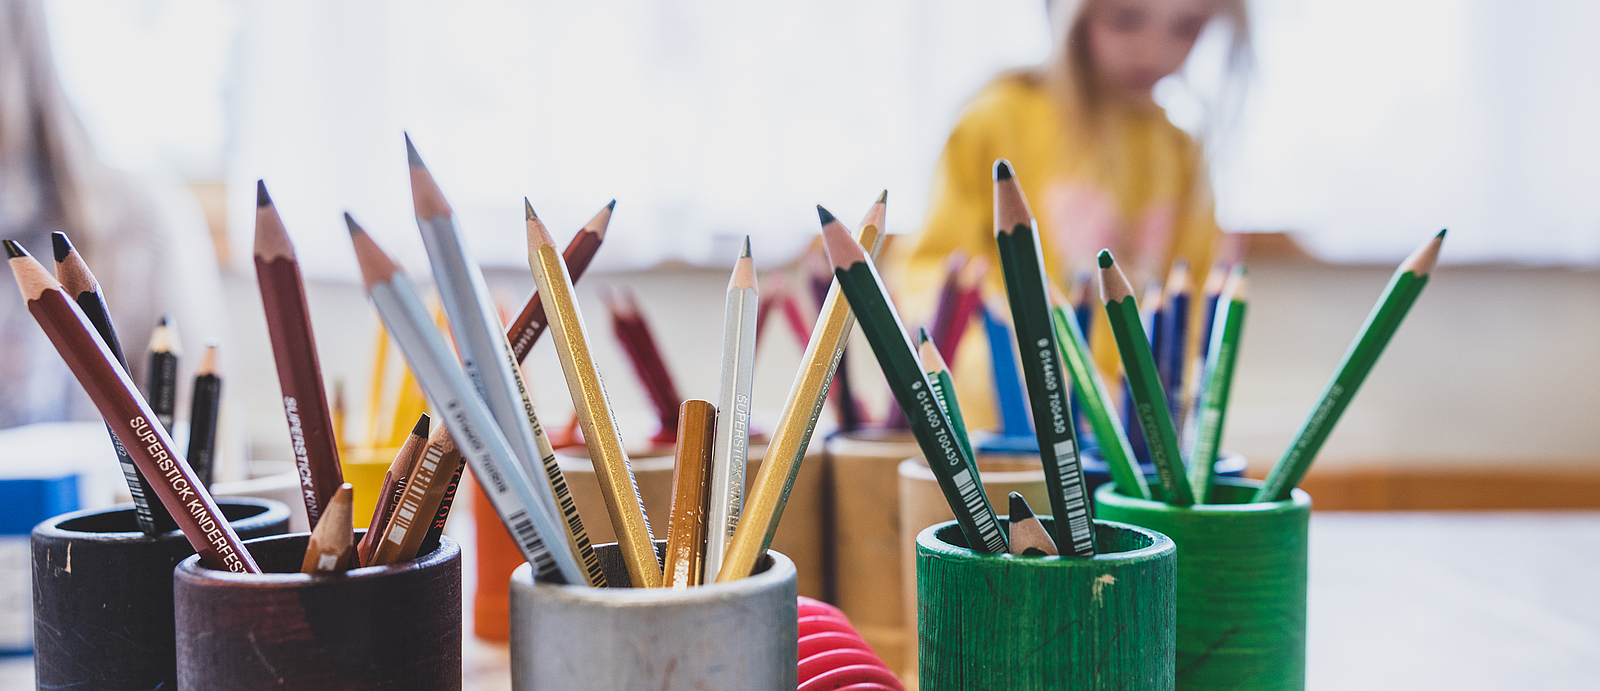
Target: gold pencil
[{"x": 691, "y": 483}]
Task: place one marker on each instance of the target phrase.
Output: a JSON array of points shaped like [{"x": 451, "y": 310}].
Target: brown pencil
[
  {"x": 331, "y": 548},
  {"x": 691, "y": 493},
  {"x": 530, "y": 323},
  {"x": 311, "y": 431},
  {"x": 394, "y": 487},
  {"x": 130, "y": 417},
  {"x": 427, "y": 491}
]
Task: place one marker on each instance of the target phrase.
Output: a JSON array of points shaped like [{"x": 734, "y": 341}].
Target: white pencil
[{"x": 733, "y": 411}]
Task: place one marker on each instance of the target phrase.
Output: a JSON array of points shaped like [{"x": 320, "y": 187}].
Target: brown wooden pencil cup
[
  {"x": 998, "y": 621},
  {"x": 732, "y": 636},
  {"x": 1241, "y": 584},
  {"x": 865, "y": 484},
  {"x": 381, "y": 627},
  {"x": 102, "y": 595}
]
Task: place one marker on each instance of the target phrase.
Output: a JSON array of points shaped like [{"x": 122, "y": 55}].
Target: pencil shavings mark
[{"x": 1100, "y": 585}]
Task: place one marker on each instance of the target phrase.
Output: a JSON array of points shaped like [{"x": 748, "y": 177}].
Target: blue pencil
[
  {"x": 1175, "y": 321},
  {"x": 1009, "y": 396}
]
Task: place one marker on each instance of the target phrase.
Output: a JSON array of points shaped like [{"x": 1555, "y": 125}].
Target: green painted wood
[
  {"x": 1021, "y": 623},
  {"x": 1241, "y": 584}
]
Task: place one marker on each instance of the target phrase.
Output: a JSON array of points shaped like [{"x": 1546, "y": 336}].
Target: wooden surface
[{"x": 1401, "y": 486}]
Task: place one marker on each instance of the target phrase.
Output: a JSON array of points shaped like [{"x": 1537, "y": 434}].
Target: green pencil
[
  {"x": 1096, "y": 400},
  {"x": 1403, "y": 289},
  {"x": 1022, "y": 262},
  {"x": 881, "y": 324},
  {"x": 1221, "y": 354},
  {"x": 944, "y": 389},
  {"x": 1149, "y": 399}
]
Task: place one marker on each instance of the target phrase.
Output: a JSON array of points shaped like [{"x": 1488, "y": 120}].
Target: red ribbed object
[{"x": 834, "y": 657}]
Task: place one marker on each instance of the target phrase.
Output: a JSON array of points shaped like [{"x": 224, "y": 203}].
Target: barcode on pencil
[
  {"x": 533, "y": 547},
  {"x": 1070, "y": 476},
  {"x": 569, "y": 513},
  {"x": 972, "y": 499}
]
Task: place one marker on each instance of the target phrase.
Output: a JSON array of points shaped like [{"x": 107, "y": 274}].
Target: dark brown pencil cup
[
  {"x": 382, "y": 627},
  {"x": 102, "y": 595}
]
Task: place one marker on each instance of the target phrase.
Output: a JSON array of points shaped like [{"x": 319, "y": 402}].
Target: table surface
[{"x": 1460, "y": 601}]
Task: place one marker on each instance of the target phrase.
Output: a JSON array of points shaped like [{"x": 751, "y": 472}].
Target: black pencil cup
[
  {"x": 380, "y": 627},
  {"x": 102, "y": 595}
]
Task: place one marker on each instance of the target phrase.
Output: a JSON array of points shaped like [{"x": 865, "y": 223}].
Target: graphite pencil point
[
  {"x": 350, "y": 224},
  {"x": 611, "y": 205},
  {"x": 824, "y": 215},
  {"x": 14, "y": 250},
  {"x": 1002, "y": 170},
  {"x": 529, "y": 215},
  {"x": 745, "y": 253},
  {"x": 61, "y": 245},
  {"x": 412, "y": 158},
  {"x": 261, "y": 194}
]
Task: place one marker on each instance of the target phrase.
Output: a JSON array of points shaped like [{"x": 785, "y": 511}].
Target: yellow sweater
[{"x": 1147, "y": 197}]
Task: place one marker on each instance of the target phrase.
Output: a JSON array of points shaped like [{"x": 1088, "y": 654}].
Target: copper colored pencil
[
  {"x": 530, "y": 323},
  {"x": 294, "y": 349},
  {"x": 691, "y": 493},
  {"x": 394, "y": 486},
  {"x": 331, "y": 548},
  {"x": 130, "y": 417},
  {"x": 426, "y": 489}
]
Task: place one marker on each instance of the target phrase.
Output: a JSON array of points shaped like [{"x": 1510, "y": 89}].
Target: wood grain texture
[
  {"x": 1104, "y": 622},
  {"x": 1242, "y": 570}
]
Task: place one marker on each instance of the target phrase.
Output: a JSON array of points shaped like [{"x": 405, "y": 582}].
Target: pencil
[
  {"x": 881, "y": 324},
  {"x": 691, "y": 490},
  {"x": 80, "y": 283},
  {"x": 1022, "y": 263},
  {"x": 1009, "y": 396},
  {"x": 509, "y": 489},
  {"x": 732, "y": 446},
  {"x": 294, "y": 350},
  {"x": 634, "y": 335},
  {"x": 162, "y": 379},
  {"x": 848, "y": 410},
  {"x": 1144, "y": 383},
  {"x": 531, "y": 322},
  {"x": 130, "y": 417},
  {"x": 1404, "y": 287},
  {"x": 393, "y": 489},
  {"x": 331, "y": 548},
  {"x": 944, "y": 389},
  {"x": 1175, "y": 315},
  {"x": 950, "y": 295},
  {"x": 1224, "y": 348},
  {"x": 971, "y": 287},
  {"x": 204, "y": 406},
  {"x": 796, "y": 319},
  {"x": 425, "y": 490},
  {"x": 594, "y": 409},
  {"x": 1028, "y": 536},
  {"x": 451, "y": 457},
  {"x": 787, "y": 446},
  {"x": 1097, "y": 406},
  {"x": 337, "y": 414}
]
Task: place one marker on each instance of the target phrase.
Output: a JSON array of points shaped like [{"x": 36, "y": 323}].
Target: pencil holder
[
  {"x": 102, "y": 595},
  {"x": 381, "y": 627},
  {"x": 1241, "y": 584},
  {"x": 1097, "y": 473},
  {"x": 997, "y": 621},
  {"x": 865, "y": 484},
  {"x": 730, "y": 636}
]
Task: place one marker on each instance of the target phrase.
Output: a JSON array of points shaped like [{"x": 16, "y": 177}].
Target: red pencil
[
  {"x": 129, "y": 416},
  {"x": 530, "y": 323},
  {"x": 311, "y": 433}
]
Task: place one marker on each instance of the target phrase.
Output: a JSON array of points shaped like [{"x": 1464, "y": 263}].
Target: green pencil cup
[
  {"x": 998, "y": 621},
  {"x": 1241, "y": 584}
]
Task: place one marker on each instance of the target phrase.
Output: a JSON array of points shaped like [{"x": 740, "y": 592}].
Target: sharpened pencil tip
[
  {"x": 1019, "y": 509},
  {"x": 745, "y": 253},
  {"x": 528, "y": 214},
  {"x": 261, "y": 194},
  {"x": 350, "y": 224},
  {"x": 1441, "y": 233},
  {"x": 612, "y": 205},
  {"x": 922, "y": 336},
  {"x": 421, "y": 428},
  {"x": 884, "y": 197},
  {"x": 824, "y": 215},
  {"x": 412, "y": 159},
  {"x": 14, "y": 249},
  {"x": 61, "y": 245},
  {"x": 1106, "y": 260},
  {"x": 1002, "y": 169}
]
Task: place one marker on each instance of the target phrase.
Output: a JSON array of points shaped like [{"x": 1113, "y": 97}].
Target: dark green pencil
[
  {"x": 1022, "y": 262},
  {"x": 1144, "y": 383},
  {"x": 1221, "y": 355},
  {"x": 881, "y": 324},
  {"x": 1404, "y": 287}
]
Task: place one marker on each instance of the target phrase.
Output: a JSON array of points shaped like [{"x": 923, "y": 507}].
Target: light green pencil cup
[
  {"x": 1241, "y": 584},
  {"x": 997, "y": 621}
]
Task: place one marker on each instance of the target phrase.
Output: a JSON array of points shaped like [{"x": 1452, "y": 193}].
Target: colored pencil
[
  {"x": 393, "y": 489},
  {"x": 294, "y": 350},
  {"x": 881, "y": 324},
  {"x": 1224, "y": 349},
  {"x": 787, "y": 446},
  {"x": 594, "y": 409},
  {"x": 205, "y": 404},
  {"x": 797, "y": 319},
  {"x": 162, "y": 379},
  {"x": 1097, "y": 405},
  {"x": 633, "y": 333},
  {"x": 944, "y": 389},
  {"x": 950, "y": 294},
  {"x": 1028, "y": 536},
  {"x": 1022, "y": 264},
  {"x": 1009, "y": 395},
  {"x": 970, "y": 283},
  {"x": 130, "y": 417},
  {"x": 331, "y": 548},
  {"x": 80, "y": 283},
  {"x": 1080, "y": 304},
  {"x": 531, "y": 322},
  {"x": 1404, "y": 287},
  {"x": 691, "y": 491},
  {"x": 732, "y": 446},
  {"x": 1150, "y": 401},
  {"x": 509, "y": 489},
  {"x": 1175, "y": 314},
  {"x": 426, "y": 488},
  {"x": 847, "y": 408}
]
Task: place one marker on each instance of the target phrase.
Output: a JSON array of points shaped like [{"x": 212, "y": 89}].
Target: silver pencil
[{"x": 732, "y": 445}]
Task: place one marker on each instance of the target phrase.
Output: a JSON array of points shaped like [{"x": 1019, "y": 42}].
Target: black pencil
[
  {"x": 204, "y": 405},
  {"x": 161, "y": 382}
]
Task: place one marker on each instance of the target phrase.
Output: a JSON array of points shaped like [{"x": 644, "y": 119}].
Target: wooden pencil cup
[
  {"x": 102, "y": 595},
  {"x": 382, "y": 627},
  {"x": 865, "y": 482},
  {"x": 732, "y": 636},
  {"x": 922, "y": 504},
  {"x": 997, "y": 621},
  {"x": 1241, "y": 584}
]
